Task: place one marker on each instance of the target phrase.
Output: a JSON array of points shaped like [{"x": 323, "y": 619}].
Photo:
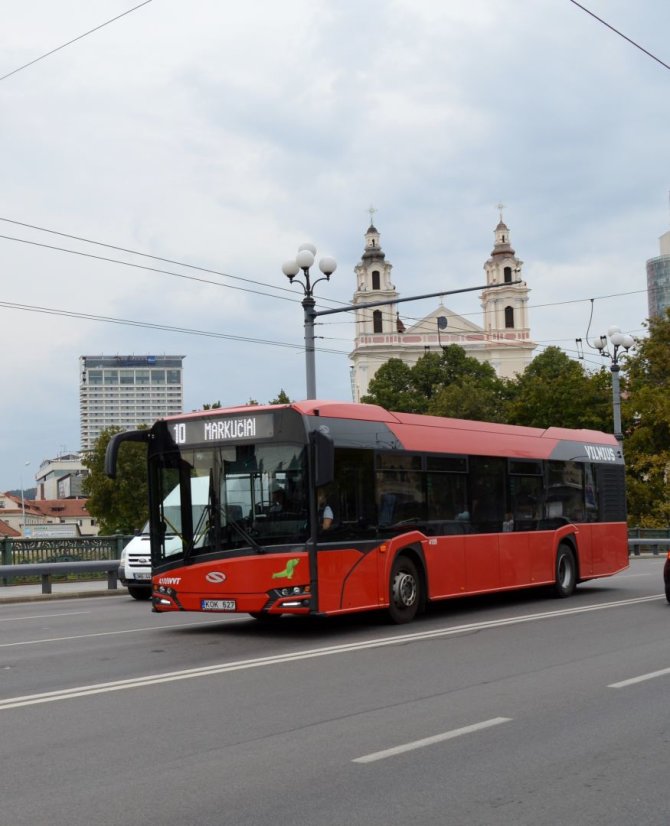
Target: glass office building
[
  {"x": 658, "y": 279},
  {"x": 126, "y": 392}
]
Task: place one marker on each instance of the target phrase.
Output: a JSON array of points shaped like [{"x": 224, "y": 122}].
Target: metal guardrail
[
  {"x": 635, "y": 543},
  {"x": 46, "y": 570}
]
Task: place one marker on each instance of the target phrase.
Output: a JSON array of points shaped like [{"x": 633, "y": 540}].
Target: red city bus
[{"x": 327, "y": 508}]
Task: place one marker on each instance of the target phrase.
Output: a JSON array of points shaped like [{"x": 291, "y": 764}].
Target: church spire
[
  {"x": 373, "y": 249},
  {"x": 502, "y": 245}
]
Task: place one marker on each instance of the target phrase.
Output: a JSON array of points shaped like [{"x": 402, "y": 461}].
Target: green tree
[
  {"x": 555, "y": 390},
  {"x": 282, "y": 398},
  {"x": 393, "y": 389},
  {"x": 467, "y": 388},
  {"x": 211, "y": 406},
  {"x": 468, "y": 398},
  {"x": 120, "y": 505},
  {"x": 449, "y": 383},
  {"x": 646, "y": 415}
]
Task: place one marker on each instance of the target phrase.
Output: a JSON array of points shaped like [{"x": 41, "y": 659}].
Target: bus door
[{"x": 487, "y": 513}]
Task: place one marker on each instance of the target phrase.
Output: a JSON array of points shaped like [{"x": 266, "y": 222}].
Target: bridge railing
[
  {"x": 22, "y": 551},
  {"x": 79, "y": 557}
]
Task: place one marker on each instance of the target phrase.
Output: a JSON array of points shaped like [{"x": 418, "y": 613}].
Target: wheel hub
[{"x": 404, "y": 590}]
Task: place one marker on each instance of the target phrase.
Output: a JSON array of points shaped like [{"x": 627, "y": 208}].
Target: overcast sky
[{"x": 223, "y": 135}]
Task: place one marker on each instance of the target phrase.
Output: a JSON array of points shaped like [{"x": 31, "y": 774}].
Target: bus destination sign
[{"x": 229, "y": 429}]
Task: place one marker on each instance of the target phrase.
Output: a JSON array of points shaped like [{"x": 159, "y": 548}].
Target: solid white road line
[
  {"x": 43, "y": 616},
  {"x": 108, "y": 633},
  {"x": 429, "y": 741},
  {"x": 292, "y": 656},
  {"x": 641, "y": 679}
]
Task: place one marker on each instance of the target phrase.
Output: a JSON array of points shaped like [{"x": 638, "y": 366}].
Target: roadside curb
[{"x": 14, "y": 599}]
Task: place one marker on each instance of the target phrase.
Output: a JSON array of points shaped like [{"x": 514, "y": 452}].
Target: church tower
[
  {"x": 503, "y": 341},
  {"x": 506, "y": 307},
  {"x": 373, "y": 283},
  {"x": 377, "y": 328}
]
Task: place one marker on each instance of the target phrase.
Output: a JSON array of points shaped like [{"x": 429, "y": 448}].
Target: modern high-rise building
[
  {"x": 127, "y": 391},
  {"x": 658, "y": 279}
]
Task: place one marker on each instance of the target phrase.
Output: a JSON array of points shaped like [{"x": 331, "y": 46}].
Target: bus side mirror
[
  {"x": 324, "y": 459},
  {"x": 112, "y": 451}
]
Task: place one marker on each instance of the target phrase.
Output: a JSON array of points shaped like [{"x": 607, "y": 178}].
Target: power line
[
  {"x": 153, "y": 258},
  {"x": 152, "y": 326},
  {"x": 144, "y": 267},
  {"x": 74, "y": 40},
  {"x": 363, "y": 315},
  {"x": 141, "y": 254},
  {"x": 244, "y": 289},
  {"x": 621, "y": 34}
]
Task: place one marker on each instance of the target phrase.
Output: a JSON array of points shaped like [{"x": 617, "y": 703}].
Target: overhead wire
[
  {"x": 363, "y": 315},
  {"x": 163, "y": 259},
  {"x": 621, "y": 34},
  {"x": 155, "y": 326},
  {"x": 144, "y": 267},
  {"x": 74, "y": 40}
]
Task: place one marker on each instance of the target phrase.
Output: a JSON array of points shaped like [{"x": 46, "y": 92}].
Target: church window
[
  {"x": 508, "y": 275},
  {"x": 377, "y": 321},
  {"x": 375, "y": 280},
  {"x": 509, "y": 317}
]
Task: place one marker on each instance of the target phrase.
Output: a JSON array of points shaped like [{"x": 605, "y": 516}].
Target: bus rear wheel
[
  {"x": 404, "y": 591},
  {"x": 566, "y": 572}
]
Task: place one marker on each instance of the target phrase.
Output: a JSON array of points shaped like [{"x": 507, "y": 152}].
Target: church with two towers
[{"x": 503, "y": 340}]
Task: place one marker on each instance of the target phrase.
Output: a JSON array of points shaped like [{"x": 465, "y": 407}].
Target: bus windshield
[{"x": 238, "y": 496}]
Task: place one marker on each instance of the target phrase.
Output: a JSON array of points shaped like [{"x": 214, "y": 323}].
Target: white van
[
  {"x": 135, "y": 563},
  {"x": 135, "y": 566}
]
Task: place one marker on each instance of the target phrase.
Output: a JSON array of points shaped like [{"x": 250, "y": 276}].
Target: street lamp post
[
  {"x": 303, "y": 261},
  {"x": 619, "y": 341},
  {"x": 23, "y": 502}
]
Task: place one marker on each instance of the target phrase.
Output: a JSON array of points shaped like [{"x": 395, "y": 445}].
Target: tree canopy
[
  {"x": 449, "y": 383},
  {"x": 646, "y": 416},
  {"x": 556, "y": 390},
  {"x": 120, "y": 505}
]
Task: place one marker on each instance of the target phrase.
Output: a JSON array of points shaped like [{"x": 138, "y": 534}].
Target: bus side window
[{"x": 487, "y": 493}]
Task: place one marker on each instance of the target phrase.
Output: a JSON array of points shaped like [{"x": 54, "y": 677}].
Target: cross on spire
[
  {"x": 500, "y": 209},
  {"x": 372, "y": 211}
]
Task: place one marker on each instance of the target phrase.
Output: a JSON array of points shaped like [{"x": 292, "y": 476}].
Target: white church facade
[{"x": 503, "y": 340}]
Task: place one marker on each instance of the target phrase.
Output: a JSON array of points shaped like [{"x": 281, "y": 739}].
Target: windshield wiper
[{"x": 246, "y": 536}]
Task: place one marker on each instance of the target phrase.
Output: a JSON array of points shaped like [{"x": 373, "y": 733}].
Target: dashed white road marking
[{"x": 430, "y": 741}]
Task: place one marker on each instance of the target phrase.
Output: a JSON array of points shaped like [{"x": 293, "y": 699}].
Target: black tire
[
  {"x": 137, "y": 592},
  {"x": 404, "y": 591},
  {"x": 264, "y": 617},
  {"x": 566, "y": 572}
]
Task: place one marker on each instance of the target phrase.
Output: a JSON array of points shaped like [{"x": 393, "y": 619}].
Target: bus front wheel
[
  {"x": 404, "y": 591},
  {"x": 264, "y": 617},
  {"x": 566, "y": 572},
  {"x": 139, "y": 592}
]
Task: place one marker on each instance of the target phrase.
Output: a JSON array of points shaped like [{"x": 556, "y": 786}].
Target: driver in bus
[
  {"x": 278, "y": 503},
  {"x": 325, "y": 512}
]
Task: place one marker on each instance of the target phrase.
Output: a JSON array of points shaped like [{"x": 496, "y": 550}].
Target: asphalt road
[{"x": 516, "y": 709}]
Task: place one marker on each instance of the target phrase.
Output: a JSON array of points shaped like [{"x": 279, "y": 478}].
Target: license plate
[
  {"x": 218, "y": 605},
  {"x": 142, "y": 576}
]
